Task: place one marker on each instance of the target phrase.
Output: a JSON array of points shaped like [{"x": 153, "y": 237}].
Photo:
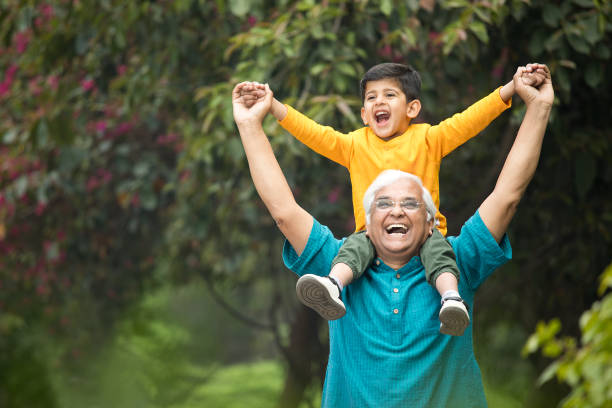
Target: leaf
[
  {"x": 548, "y": 373},
  {"x": 480, "y": 30},
  {"x": 239, "y": 8},
  {"x": 593, "y": 75},
  {"x": 578, "y": 43},
  {"x": 386, "y": 7},
  {"x": 551, "y": 14}
]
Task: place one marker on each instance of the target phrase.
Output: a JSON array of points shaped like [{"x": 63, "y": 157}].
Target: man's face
[
  {"x": 397, "y": 233},
  {"x": 385, "y": 108}
]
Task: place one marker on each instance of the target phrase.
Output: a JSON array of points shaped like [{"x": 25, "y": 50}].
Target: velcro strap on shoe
[{"x": 458, "y": 299}]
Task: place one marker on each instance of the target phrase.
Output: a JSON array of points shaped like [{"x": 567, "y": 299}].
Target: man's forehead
[{"x": 403, "y": 188}]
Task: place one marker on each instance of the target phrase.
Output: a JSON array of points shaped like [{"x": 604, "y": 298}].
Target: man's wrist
[{"x": 249, "y": 124}]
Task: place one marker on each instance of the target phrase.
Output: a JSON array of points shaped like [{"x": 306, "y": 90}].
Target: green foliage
[
  {"x": 118, "y": 150},
  {"x": 584, "y": 365}
]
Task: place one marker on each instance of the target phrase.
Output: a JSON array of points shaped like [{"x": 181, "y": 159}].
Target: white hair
[{"x": 388, "y": 177}]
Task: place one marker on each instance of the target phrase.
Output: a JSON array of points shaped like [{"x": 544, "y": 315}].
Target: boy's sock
[
  {"x": 340, "y": 285},
  {"x": 449, "y": 294},
  {"x": 454, "y": 316}
]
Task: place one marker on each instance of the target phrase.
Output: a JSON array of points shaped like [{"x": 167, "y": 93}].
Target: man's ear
[
  {"x": 431, "y": 225},
  {"x": 413, "y": 108},
  {"x": 363, "y": 116}
]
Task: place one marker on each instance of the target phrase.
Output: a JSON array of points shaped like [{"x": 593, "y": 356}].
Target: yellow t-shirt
[{"x": 418, "y": 151}]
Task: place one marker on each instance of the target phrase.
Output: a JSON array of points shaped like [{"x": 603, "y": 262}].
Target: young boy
[{"x": 390, "y": 95}]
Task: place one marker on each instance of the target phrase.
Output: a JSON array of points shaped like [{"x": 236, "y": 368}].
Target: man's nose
[{"x": 397, "y": 209}]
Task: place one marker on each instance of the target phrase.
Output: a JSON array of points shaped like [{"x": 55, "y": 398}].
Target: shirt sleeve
[
  {"x": 320, "y": 251},
  {"x": 477, "y": 252},
  {"x": 451, "y": 133},
  {"x": 324, "y": 140}
]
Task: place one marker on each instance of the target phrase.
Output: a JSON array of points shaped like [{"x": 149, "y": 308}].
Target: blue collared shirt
[{"x": 387, "y": 351}]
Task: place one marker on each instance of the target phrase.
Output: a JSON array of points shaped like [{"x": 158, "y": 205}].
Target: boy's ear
[
  {"x": 413, "y": 108},
  {"x": 363, "y": 116}
]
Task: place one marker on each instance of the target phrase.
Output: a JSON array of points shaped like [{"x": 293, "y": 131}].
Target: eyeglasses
[{"x": 387, "y": 203}]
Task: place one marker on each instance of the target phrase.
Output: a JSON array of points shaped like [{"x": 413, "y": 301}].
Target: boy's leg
[
  {"x": 441, "y": 272},
  {"x": 323, "y": 293}
]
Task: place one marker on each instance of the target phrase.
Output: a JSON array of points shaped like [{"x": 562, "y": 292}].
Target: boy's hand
[
  {"x": 534, "y": 74},
  {"x": 544, "y": 94},
  {"x": 247, "y": 105},
  {"x": 251, "y": 92}
]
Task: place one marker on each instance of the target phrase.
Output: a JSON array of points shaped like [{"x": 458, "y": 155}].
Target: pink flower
[
  {"x": 92, "y": 183},
  {"x": 251, "y": 21},
  {"x": 33, "y": 86},
  {"x": 87, "y": 84},
  {"x": 167, "y": 139},
  {"x": 5, "y": 87},
  {"x": 100, "y": 126},
  {"x": 40, "y": 208},
  {"x": 46, "y": 10},
  {"x": 121, "y": 69},
  {"x": 385, "y": 51},
  {"x": 53, "y": 82},
  {"x": 105, "y": 175},
  {"x": 22, "y": 39},
  {"x": 10, "y": 72},
  {"x": 185, "y": 175}
]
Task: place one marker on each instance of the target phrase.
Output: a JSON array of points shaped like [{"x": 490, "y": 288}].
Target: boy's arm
[
  {"x": 324, "y": 140},
  {"x": 458, "y": 129}
]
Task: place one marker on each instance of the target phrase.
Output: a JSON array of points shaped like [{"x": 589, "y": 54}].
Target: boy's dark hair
[{"x": 408, "y": 78}]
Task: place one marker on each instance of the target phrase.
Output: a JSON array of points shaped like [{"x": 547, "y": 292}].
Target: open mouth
[
  {"x": 382, "y": 117},
  {"x": 396, "y": 229}
]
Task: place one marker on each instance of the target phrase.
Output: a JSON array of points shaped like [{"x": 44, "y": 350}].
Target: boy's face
[{"x": 386, "y": 110}]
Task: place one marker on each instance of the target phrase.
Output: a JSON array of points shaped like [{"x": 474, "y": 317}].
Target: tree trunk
[{"x": 306, "y": 357}]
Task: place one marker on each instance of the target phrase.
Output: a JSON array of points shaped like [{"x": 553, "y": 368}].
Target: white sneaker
[
  {"x": 454, "y": 317},
  {"x": 321, "y": 294}
]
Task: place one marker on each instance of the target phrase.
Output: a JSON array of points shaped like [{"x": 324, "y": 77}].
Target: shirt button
[
  {"x": 395, "y": 290},
  {"x": 397, "y": 276},
  {"x": 396, "y": 311}
]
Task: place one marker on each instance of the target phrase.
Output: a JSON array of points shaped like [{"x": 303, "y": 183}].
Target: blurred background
[{"x": 138, "y": 267}]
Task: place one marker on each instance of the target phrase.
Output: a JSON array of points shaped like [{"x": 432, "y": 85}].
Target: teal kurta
[{"x": 387, "y": 350}]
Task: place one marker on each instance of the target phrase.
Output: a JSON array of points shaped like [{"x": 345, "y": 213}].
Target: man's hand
[
  {"x": 530, "y": 94},
  {"x": 251, "y": 102}
]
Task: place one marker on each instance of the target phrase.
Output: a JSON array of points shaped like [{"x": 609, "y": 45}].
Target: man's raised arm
[
  {"x": 499, "y": 207},
  {"x": 293, "y": 221}
]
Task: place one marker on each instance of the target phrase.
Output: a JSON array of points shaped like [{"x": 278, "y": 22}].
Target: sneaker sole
[
  {"x": 453, "y": 321},
  {"x": 314, "y": 294}
]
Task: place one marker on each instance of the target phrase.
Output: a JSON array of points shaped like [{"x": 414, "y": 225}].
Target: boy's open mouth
[{"x": 382, "y": 117}]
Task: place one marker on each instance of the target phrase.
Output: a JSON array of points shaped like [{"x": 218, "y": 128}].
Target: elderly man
[{"x": 387, "y": 351}]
